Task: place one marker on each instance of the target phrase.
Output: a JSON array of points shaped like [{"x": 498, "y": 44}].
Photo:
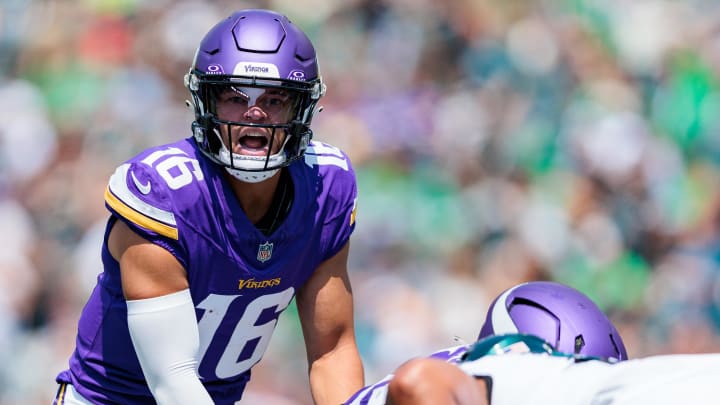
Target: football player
[
  {"x": 211, "y": 237},
  {"x": 512, "y": 369},
  {"x": 557, "y": 313}
]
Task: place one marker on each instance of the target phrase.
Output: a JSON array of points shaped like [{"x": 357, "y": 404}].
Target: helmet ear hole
[{"x": 579, "y": 344}]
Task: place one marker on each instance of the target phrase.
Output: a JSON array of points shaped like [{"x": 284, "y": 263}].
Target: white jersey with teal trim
[{"x": 527, "y": 378}]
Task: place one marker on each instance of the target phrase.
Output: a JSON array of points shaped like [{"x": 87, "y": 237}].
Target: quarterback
[{"x": 210, "y": 238}]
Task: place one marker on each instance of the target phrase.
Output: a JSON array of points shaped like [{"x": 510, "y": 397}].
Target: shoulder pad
[{"x": 134, "y": 194}]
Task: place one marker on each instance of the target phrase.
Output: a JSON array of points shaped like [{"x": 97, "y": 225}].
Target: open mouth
[{"x": 252, "y": 141}]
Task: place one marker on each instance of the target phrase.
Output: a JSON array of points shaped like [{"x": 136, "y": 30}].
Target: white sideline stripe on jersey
[
  {"x": 501, "y": 320},
  {"x": 72, "y": 397},
  {"x": 118, "y": 186}
]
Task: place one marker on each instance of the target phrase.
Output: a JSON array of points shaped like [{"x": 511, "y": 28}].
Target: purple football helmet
[
  {"x": 563, "y": 316},
  {"x": 249, "y": 54}
]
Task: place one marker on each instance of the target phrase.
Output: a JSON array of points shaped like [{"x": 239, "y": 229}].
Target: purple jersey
[{"x": 240, "y": 280}]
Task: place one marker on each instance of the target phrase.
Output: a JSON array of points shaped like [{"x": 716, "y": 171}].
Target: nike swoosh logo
[{"x": 143, "y": 188}]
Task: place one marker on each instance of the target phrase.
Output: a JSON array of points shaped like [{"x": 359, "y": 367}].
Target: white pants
[{"x": 68, "y": 396}]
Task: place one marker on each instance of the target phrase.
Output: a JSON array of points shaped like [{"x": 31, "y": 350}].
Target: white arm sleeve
[{"x": 165, "y": 335}]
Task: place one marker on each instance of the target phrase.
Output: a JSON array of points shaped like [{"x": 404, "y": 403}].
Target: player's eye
[
  {"x": 237, "y": 100},
  {"x": 273, "y": 103},
  {"x": 233, "y": 95}
]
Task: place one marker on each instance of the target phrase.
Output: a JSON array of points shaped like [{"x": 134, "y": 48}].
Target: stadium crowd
[{"x": 494, "y": 142}]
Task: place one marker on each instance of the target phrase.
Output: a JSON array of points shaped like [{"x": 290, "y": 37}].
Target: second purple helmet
[{"x": 563, "y": 316}]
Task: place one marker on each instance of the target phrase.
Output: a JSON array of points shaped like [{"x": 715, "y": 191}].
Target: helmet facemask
[{"x": 253, "y": 127}]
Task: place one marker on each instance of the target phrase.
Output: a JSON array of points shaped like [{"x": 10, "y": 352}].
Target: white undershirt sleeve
[{"x": 165, "y": 335}]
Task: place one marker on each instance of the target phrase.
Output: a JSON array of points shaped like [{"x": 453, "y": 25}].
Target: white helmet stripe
[{"x": 501, "y": 320}]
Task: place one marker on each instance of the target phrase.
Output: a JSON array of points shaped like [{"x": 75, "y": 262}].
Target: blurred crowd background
[{"x": 494, "y": 142}]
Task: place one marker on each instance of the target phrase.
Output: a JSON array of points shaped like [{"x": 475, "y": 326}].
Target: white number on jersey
[
  {"x": 175, "y": 167},
  {"x": 216, "y": 307},
  {"x": 319, "y": 153}
]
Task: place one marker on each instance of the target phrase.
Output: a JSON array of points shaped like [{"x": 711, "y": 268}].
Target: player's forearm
[
  {"x": 165, "y": 336},
  {"x": 336, "y": 376}
]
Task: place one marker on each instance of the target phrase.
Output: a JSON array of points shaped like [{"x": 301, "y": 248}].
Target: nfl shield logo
[{"x": 265, "y": 252}]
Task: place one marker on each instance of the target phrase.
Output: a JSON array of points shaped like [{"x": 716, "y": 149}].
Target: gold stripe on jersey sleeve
[
  {"x": 61, "y": 394},
  {"x": 119, "y": 187},
  {"x": 353, "y": 213},
  {"x": 138, "y": 218}
]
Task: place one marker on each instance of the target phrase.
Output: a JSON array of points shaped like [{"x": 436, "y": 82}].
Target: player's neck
[{"x": 255, "y": 198}]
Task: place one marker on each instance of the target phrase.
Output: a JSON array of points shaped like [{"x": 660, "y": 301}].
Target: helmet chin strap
[{"x": 251, "y": 177}]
